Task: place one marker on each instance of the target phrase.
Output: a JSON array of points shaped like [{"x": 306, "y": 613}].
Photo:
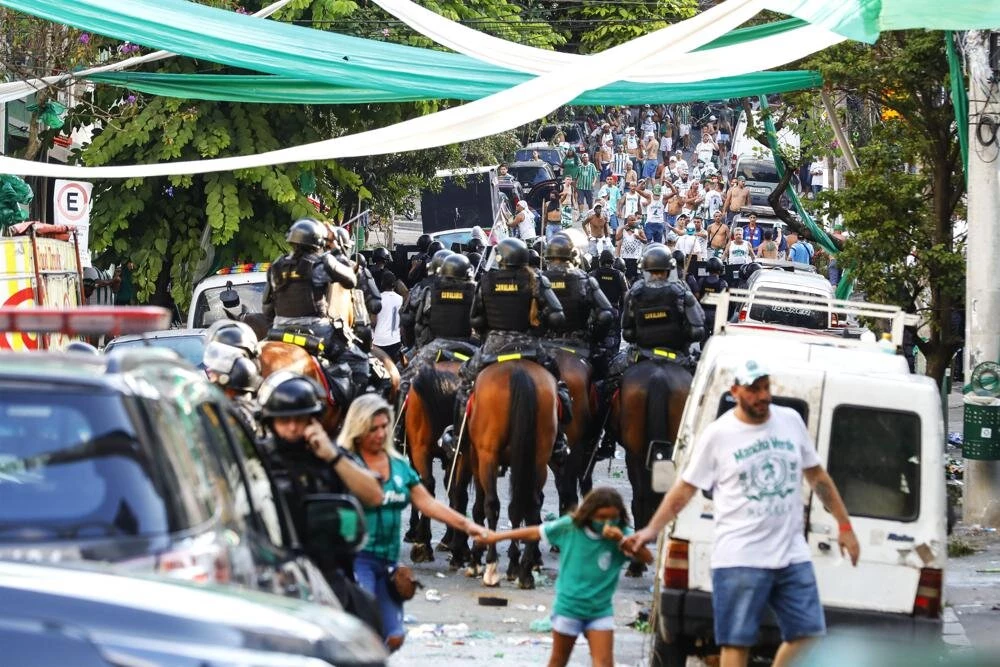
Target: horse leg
[
  {"x": 490, "y": 576},
  {"x": 459, "y": 500},
  {"x": 475, "y": 567},
  {"x": 514, "y": 553},
  {"x": 638, "y": 477}
]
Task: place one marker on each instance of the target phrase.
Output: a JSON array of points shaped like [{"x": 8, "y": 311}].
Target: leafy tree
[
  {"x": 596, "y": 25},
  {"x": 176, "y": 229}
]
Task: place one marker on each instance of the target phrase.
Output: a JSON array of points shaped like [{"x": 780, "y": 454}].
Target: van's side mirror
[
  {"x": 230, "y": 298},
  {"x": 335, "y": 523}
]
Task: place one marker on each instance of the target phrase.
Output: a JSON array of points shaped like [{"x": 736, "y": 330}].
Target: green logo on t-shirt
[{"x": 770, "y": 473}]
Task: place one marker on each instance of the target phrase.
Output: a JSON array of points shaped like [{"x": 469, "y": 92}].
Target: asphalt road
[{"x": 456, "y": 629}]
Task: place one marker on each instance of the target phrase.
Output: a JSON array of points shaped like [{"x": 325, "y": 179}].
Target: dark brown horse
[
  {"x": 647, "y": 411},
  {"x": 581, "y": 433},
  {"x": 429, "y": 409},
  {"x": 512, "y": 421}
]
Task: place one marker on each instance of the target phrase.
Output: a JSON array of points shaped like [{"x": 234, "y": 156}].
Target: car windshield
[
  {"x": 73, "y": 467},
  {"x": 760, "y": 171},
  {"x": 531, "y": 175},
  {"x": 191, "y": 347},
  {"x": 793, "y": 314},
  {"x": 571, "y": 132},
  {"x": 547, "y": 154},
  {"x": 209, "y": 307}
]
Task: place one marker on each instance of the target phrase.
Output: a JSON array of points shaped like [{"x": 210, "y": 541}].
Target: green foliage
[{"x": 597, "y": 25}]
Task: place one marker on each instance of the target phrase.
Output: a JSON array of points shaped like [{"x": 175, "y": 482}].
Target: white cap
[{"x": 749, "y": 372}]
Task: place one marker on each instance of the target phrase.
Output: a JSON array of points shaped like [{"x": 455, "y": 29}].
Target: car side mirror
[
  {"x": 230, "y": 298},
  {"x": 335, "y": 523}
]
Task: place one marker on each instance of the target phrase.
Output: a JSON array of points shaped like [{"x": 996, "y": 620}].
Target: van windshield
[
  {"x": 875, "y": 461},
  {"x": 209, "y": 307},
  {"x": 793, "y": 315},
  {"x": 761, "y": 171}
]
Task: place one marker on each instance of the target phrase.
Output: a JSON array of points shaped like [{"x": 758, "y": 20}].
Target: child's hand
[{"x": 612, "y": 533}]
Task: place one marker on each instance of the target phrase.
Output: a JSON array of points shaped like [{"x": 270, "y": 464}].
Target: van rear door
[{"x": 876, "y": 438}]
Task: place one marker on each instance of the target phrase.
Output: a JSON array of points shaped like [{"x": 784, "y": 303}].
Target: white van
[
  {"x": 879, "y": 432},
  {"x": 248, "y": 280}
]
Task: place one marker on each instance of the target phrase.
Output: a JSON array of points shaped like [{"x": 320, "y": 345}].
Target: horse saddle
[
  {"x": 659, "y": 354},
  {"x": 455, "y": 350},
  {"x": 571, "y": 346},
  {"x": 514, "y": 355},
  {"x": 304, "y": 338}
]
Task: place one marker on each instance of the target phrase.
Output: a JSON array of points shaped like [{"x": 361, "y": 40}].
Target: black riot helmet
[
  {"x": 512, "y": 253},
  {"x": 456, "y": 266},
  {"x": 287, "y": 394},
  {"x": 437, "y": 259},
  {"x": 81, "y": 346},
  {"x": 534, "y": 259},
  {"x": 657, "y": 258},
  {"x": 361, "y": 260},
  {"x": 227, "y": 367},
  {"x": 423, "y": 242},
  {"x": 433, "y": 247},
  {"x": 381, "y": 254},
  {"x": 747, "y": 270},
  {"x": 308, "y": 233},
  {"x": 234, "y": 334},
  {"x": 474, "y": 259},
  {"x": 714, "y": 265},
  {"x": 560, "y": 247},
  {"x": 343, "y": 238},
  {"x": 607, "y": 258},
  {"x": 244, "y": 376}
]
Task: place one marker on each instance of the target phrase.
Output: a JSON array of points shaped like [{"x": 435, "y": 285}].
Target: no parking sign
[{"x": 71, "y": 203}]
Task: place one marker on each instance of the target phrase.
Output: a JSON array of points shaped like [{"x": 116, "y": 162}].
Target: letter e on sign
[{"x": 72, "y": 202}]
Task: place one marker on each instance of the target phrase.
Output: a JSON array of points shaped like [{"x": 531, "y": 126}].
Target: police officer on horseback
[
  {"x": 295, "y": 298},
  {"x": 589, "y": 315},
  {"x": 443, "y": 315},
  {"x": 614, "y": 286},
  {"x": 511, "y": 307},
  {"x": 661, "y": 320},
  {"x": 231, "y": 360},
  {"x": 411, "y": 336}
]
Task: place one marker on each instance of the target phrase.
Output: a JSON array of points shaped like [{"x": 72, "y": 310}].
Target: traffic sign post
[{"x": 71, "y": 206}]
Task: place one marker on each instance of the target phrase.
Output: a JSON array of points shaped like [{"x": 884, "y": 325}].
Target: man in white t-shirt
[
  {"x": 386, "y": 334},
  {"x": 753, "y": 458}
]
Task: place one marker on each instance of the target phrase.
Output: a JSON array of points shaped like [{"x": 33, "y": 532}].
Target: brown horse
[
  {"x": 647, "y": 411},
  {"x": 520, "y": 437},
  {"x": 430, "y": 407},
  {"x": 582, "y": 431},
  {"x": 277, "y": 356}
]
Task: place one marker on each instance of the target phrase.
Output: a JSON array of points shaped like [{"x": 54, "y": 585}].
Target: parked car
[
  {"x": 61, "y": 616},
  {"x": 878, "y": 431},
  {"x": 531, "y": 173},
  {"x": 761, "y": 177},
  {"x": 573, "y": 133},
  {"x": 776, "y": 284},
  {"x": 136, "y": 460},
  {"x": 554, "y": 155},
  {"x": 189, "y": 344}
]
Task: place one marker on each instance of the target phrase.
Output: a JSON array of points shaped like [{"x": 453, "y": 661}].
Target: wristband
[
  {"x": 336, "y": 459},
  {"x": 846, "y": 528}
]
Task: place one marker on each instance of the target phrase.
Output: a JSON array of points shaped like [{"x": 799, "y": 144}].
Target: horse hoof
[
  {"x": 473, "y": 571},
  {"x": 511, "y": 576},
  {"x": 491, "y": 576},
  {"x": 442, "y": 546},
  {"x": 455, "y": 564},
  {"x": 527, "y": 584},
  {"x": 421, "y": 553},
  {"x": 409, "y": 537},
  {"x": 635, "y": 571}
]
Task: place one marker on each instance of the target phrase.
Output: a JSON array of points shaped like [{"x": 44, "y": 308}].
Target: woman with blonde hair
[{"x": 367, "y": 432}]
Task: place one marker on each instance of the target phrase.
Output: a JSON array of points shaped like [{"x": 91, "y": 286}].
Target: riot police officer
[
  {"x": 235, "y": 334},
  {"x": 418, "y": 268},
  {"x": 511, "y": 306},
  {"x": 381, "y": 259},
  {"x": 408, "y": 313},
  {"x": 303, "y": 461},
  {"x": 236, "y": 373},
  {"x": 660, "y": 312},
  {"x": 612, "y": 282},
  {"x": 588, "y": 313},
  {"x": 296, "y": 297},
  {"x": 713, "y": 283}
]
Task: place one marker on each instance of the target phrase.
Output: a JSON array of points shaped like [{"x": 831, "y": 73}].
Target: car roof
[
  {"x": 538, "y": 164},
  {"x": 790, "y": 279},
  {"x": 464, "y": 171}
]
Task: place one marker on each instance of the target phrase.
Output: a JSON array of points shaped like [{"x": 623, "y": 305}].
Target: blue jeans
[
  {"x": 613, "y": 221},
  {"x": 654, "y": 232},
  {"x": 739, "y": 595},
  {"x": 372, "y": 574},
  {"x": 551, "y": 230}
]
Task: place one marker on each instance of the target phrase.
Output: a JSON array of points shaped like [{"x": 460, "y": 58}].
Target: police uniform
[
  {"x": 589, "y": 315},
  {"x": 408, "y": 311},
  {"x": 612, "y": 283},
  {"x": 710, "y": 284},
  {"x": 443, "y": 319},
  {"x": 295, "y": 297}
]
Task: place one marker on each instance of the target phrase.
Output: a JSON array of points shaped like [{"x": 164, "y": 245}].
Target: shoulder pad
[{"x": 544, "y": 281}]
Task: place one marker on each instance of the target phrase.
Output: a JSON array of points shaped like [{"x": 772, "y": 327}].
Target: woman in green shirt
[{"x": 366, "y": 432}]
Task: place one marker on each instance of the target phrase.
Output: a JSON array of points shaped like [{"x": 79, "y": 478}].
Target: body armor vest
[
  {"x": 610, "y": 283},
  {"x": 711, "y": 285},
  {"x": 659, "y": 318},
  {"x": 292, "y": 283},
  {"x": 507, "y": 298},
  {"x": 569, "y": 287},
  {"x": 451, "y": 306}
]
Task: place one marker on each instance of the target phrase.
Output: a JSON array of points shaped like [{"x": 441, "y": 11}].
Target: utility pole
[{"x": 981, "y": 504}]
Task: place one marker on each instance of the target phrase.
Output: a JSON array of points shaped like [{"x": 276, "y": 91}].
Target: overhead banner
[{"x": 71, "y": 203}]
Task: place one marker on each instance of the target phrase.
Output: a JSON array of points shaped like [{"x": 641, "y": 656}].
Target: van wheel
[{"x": 673, "y": 654}]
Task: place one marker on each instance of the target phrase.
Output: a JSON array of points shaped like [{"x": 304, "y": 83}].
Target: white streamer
[
  {"x": 16, "y": 90},
  {"x": 499, "y": 112}
]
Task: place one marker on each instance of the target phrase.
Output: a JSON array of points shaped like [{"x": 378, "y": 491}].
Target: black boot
[
  {"x": 560, "y": 449},
  {"x": 565, "y": 403},
  {"x": 449, "y": 439},
  {"x": 606, "y": 448}
]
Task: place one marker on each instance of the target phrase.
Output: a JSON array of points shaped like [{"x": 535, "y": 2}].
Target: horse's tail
[
  {"x": 436, "y": 389},
  {"x": 657, "y": 395},
  {"x": 521, "y": 419}
]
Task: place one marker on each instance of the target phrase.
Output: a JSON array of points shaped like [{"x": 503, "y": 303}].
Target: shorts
[
  {"x": 573, "y": 627},
  {"x": 685, "y": 129},
  {"x": 654, "y": 232},
  {"x": 372, "y": 574},
  {"x": 740, "y": 594}
]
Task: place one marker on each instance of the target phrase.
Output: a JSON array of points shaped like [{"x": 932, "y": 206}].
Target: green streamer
[{"x": 959, "y": 99}]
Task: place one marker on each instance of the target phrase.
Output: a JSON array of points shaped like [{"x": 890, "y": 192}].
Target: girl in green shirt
[
  {"x": 366, "y": 432},
  {"x": 590, "y": 561}
]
